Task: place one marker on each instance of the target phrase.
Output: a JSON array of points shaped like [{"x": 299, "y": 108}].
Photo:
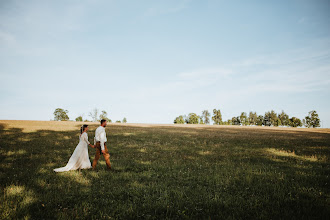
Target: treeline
[
  {"x": 62, "y": 115},
  {"x": 270, "y": 118}
]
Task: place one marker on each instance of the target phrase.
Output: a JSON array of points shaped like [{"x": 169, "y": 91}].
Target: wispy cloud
[{"x": 274, "y": 75}]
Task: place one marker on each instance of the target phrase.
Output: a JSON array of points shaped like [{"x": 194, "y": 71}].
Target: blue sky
[{"x": 150, "y": 61}]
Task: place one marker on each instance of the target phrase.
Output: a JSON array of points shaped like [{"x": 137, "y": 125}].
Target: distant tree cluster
[
  {"x": 270, "y": 118},
  {"x": 62, "y": 115}
]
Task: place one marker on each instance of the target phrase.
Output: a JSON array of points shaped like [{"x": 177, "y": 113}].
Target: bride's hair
[{"x": 82, "y": 128}]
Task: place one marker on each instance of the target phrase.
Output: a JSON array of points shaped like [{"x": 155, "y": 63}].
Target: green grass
[{"x": 168, "y": 173}]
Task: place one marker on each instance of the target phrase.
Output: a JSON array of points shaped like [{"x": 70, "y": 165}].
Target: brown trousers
[{"x": 98, "y": 153}]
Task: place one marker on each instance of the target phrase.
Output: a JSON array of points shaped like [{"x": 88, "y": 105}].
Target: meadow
[{"x": 166, "y": 172}]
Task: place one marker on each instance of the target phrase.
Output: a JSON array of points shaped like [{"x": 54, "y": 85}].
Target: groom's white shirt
[{"x": 100, "y": 136}]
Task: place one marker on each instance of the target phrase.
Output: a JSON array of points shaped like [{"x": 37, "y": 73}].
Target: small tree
[
  {"x": 179, "y": 120},
  {"x": 201, "y": 119},
  {"x": 260, "y": 120},
  {"x": 273, "y": 118},
  {"x": 217, "y": 117},
  {"x": 267, "y": 119},
  {"x": 104, "y": 115},
  {"x": 206, "y": 116},
  {"x": 252, "y": 118},
  {"x": 312, "y": 120},
  {"x": 295, "y": 122},
  {"x": 61, "y": 114},
  {"x": 236, "y": 121},
  {"x": 284, "y": 118},
  {"x": 243, "y": 118},
  {"x": 193, "y": 118},
  {"x": 94, "y": 114},
  {"x": 79, "y": 118},
  {"x": 124, "y": 120},
  {"x": 118, "y": 121}
]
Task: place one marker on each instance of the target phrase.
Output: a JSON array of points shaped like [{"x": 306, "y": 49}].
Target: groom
[{"x": 100, "y": 140}]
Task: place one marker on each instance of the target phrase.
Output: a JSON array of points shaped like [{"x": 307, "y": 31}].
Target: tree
[
  {"x": 260, "y": 120},
  {"x": 236, "y": 121},
  {"x": 79, "y": 118},
  {"x": 61, "y": 114},
  {"x": 217, "y": 117},
  {"x": 312, "y": 120},
  {"x": 118, "y": 121},
  {"x": 124, "y": 120},
  {"x": 104, "y": 115},
  {"x": 179, "y": 120},
  {"x": 252, "y": 118},
  {"x": 228, "y": 122},
  {"x": 201, "y": 119},
  {"x": 193, "y": 118},
  {"x": 206, "y": 116},
  {"x": 284, "y": 118},
  {"x": 268, "y": 119},
  {"x": 94, "y": 114},
  {"x": 295, "y": 122},
  {"x": 273, "y": 118},
  {"x": 243, "y": 118}
]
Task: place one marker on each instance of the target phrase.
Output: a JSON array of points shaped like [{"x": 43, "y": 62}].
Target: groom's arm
[{"x": 102, "y": 140}]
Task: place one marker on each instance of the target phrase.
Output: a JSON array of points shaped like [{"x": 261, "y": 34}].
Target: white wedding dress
[{"x": 79, "y": 159}]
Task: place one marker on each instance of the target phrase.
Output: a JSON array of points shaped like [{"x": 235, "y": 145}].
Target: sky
[{"x": 151, "y": 61}]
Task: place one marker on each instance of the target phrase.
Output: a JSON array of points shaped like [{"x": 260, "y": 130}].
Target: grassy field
[{"x": 166, "y": 172}]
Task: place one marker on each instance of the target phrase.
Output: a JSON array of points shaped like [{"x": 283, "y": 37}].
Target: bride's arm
[{"x": 86, "y": 140}]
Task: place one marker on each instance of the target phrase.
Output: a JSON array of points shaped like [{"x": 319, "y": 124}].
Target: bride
[{"x": 79, "y": 159}]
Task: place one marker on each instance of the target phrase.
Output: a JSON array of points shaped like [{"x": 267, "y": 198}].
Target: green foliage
[
  {"x": 284, "y": 118},
  {"x": 217, "y": 117},
  {"x": 236, "y": 121},
  {"x": 206, "y": 116},
  {"x": 243, "y": 119},
  {"x": 104, "y": 115},
  {"x": 201, "y": 120},
  {"x": 271, "y": 118},
  {"x": 295, "y": 122},
  {"x": 312, "y": 120},
  {"x": 124, "y": 120},
  {"x": 228, "y": 122},
  {"x": 79, "y": 118},
  {"x": 118, "y": 121},
  {"x": 260, "y": 120},
  {"x": 61, "y": 115},
  {"x": 193, "y": 118},
  {"x": 252, "y": 118},
  {"x": 179, "y": 120}
]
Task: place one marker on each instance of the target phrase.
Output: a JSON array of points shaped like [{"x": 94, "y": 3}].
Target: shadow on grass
[{"x": 162, "y": 172}]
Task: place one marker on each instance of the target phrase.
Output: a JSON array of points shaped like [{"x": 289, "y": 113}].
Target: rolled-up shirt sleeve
[{"x": 102, "y": 139}]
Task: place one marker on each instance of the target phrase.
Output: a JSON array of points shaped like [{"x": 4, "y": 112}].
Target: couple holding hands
[{"x": 80, "y": 158}]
